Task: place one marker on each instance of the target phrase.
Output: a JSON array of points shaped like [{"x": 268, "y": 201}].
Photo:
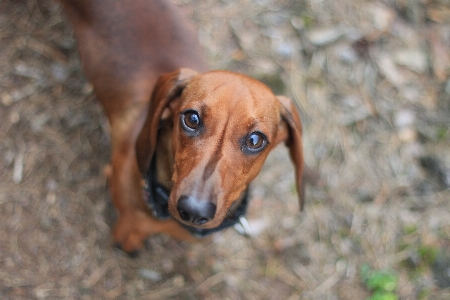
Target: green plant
[
  {"x": 383, "y": 284},
  {"x": 441, "y": 133},
  {"x": 428, "y": 254}
]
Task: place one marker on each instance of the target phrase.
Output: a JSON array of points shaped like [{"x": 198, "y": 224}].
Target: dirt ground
[{"x": 372, "y": 80}]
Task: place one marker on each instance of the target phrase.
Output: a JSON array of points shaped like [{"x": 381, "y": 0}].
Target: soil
[{"x": 372, "y": 81}]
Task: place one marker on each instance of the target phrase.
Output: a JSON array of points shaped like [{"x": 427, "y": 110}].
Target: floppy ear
[
  {"x": 291, "y": 133},
  {"x": 168, "y": 87}
]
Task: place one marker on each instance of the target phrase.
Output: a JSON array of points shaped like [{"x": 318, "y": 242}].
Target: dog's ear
[
  {"x": 291, "y": 133},
  {"x": 168, "y": 88}
]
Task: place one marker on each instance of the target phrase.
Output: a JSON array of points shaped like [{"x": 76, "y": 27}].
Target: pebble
[
  {"x": 404, "y": 118},
  {"x": 324, "y": 36},
  {"x": 150, "y": 275},
  {"x": 413, "y": 59},
  {"x": 390, "y": 70}
]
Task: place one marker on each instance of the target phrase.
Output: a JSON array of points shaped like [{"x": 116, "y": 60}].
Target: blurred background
[{"x": 371, "y": 79}]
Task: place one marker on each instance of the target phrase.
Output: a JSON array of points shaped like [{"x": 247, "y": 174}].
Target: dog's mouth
[
  {"x": 233, "y": 217},
  {"x": 157, "y": 197}
]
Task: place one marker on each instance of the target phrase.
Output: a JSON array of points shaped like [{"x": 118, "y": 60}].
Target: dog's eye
[
  {"x": 255, "y": 142},
  {"x": 191, "y": 121}
]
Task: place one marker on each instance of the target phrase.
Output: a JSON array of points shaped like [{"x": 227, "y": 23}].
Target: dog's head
[{"x": 224, "y": 126}]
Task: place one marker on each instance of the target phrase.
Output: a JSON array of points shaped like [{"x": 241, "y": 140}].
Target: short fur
[{"x": 147, "y": 68}]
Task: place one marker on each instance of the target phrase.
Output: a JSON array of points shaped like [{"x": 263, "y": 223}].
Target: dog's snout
[{"x": 195, "y": 211}]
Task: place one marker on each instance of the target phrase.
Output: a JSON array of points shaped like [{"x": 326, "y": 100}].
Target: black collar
[{"x": 157, "y": 197}]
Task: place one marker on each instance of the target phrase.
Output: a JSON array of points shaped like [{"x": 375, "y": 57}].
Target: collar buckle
[{"x": 243, "y": 227}]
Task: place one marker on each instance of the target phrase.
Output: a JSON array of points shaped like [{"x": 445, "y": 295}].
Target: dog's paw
[
  {"x": 131, "y": 231},
  {"x": 132, "y": 254},
  {"x": 134, "y": 228}
]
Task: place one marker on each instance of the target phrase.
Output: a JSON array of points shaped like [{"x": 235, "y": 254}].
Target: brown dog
[{"x": 197, "y": 139}]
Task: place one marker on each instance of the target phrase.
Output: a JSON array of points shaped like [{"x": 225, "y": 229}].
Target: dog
[{"x": 195, "y": 137}]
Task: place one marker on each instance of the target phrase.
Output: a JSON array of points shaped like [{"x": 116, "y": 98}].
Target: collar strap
[{"x": 157, "y": 198}]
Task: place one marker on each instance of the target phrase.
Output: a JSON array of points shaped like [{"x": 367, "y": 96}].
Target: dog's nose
[{"x": 195, "y": 211}]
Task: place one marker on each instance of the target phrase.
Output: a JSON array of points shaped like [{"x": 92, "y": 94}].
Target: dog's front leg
[
  {"x": 135, "y": 222},
  {"x": 126, "y": 114}
]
